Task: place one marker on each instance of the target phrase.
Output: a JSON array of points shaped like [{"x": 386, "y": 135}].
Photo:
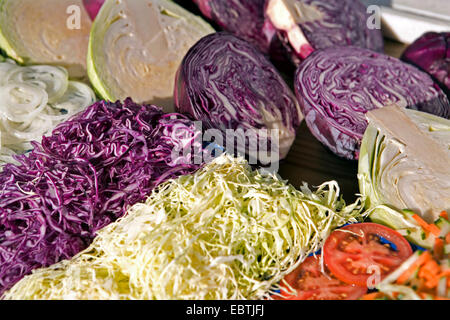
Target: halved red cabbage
[
  {"x": 431, "y": 53},
  {"x": 83, "y": 177},
  {"x": 243, "y": 18},
  {"x": 307, "y": 25},
  {"x": 226, "y": 83},
  {"x": 337, "y": 86}
]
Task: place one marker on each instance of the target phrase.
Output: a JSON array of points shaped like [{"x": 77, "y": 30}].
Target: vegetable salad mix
[
  {"x": 83, "y": 177},
  {"x": 118, "y": 200},
  {"x": 224, "y": 232}
]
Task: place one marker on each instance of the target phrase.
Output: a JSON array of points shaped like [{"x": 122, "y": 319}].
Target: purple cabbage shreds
[
  {"x": 85, "y": 176},
  {"x": 336, "y": 87}
]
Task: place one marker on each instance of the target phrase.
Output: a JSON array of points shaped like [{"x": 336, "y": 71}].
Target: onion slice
[{"x": 33, "y": 101}]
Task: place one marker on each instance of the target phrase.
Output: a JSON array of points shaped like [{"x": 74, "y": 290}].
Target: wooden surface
[{"x": 308, "y": 160}]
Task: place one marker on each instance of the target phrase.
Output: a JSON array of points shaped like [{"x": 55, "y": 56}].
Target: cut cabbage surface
[
  {"x": 54, "y": 32},
  {"x": 136, "y": 47},
  {"x": 405, "y": 163}
]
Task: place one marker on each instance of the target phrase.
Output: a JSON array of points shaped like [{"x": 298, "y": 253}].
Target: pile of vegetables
[
  {"x": 135, "y": 48},
  {"x": 85, "y": 175},
  {"x": 224, "y": 232},
  {"x": 431, "y": 53},
  {"x": 227, "y": 83},
  {"x": 33, "y": 100},
  {"x": 337, "y": 86},
  {"x": 118, "y": 199},
  {"x": 304, "y": 26}
]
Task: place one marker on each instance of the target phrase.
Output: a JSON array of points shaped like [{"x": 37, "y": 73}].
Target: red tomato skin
[
  {"x": 311, "y": 284},
  {"x": 335, "y": 258}
]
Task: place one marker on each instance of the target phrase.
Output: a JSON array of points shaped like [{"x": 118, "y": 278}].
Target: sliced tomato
[
  {"x": 311, "y": 284},
  {"x": 357, "y": 251}
]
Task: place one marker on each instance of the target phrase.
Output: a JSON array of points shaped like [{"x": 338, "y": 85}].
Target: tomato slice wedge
[
  {"x": 358, "y": 251},
  {"x": 311, "y": 284}
]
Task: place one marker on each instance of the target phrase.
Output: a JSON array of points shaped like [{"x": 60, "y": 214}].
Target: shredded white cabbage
[
  {"x": 33, "y": 100},
  {"x": 224, "y": 232}
]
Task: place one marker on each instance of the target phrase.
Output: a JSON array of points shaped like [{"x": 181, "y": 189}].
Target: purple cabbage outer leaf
[
  {"x": 431, "y": 53},
  {"x": 307, "y": 25},
  {"x": 337, "y": 86},
  {"x": 244, "y": 19},
  {"x": 83, "y": 177},
  {"x": 93, "y": 7},
  {"x": 226, "y": 83}
]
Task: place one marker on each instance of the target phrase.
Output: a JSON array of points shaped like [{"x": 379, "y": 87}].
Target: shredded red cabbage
[{"x": 83, "y": 177}]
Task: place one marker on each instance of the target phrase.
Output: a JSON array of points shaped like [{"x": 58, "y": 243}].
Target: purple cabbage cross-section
[{"x": 337, "y": 86}]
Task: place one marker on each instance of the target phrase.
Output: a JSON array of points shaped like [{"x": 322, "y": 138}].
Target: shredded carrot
[
  {"x": 441, "y": 298},
  {"x": 444, "y": 215},
  {"x": 424, "y": 295},
  {"x": 445, "y": 273},
  {"x": 372, "y": 296},
  {"x": 439, "y": 248},
  {"x": 432, "y": 228},
  {"x": 447, "y": 238},
  {"x": 422, "y": 259},
  {"x": 429, "y": 272}
]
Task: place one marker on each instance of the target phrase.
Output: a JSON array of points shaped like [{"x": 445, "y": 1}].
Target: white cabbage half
[
  {"x": 405, "y": 164},
  {"x": 136, "y": 47},
  {"x": 54, "y": 32}
]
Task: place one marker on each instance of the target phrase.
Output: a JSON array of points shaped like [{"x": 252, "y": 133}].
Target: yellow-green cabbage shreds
[{"x": 224, "y": 232}]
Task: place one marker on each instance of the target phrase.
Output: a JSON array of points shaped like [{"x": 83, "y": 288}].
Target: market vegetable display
[
  {"x": 33, "y": 100},
  {"x": 46, "y": 32},
  {"x": 304, "y": 26},
  {"x": 229, "y": 85},
  {"x": 244, "y": 19},
  {"x": 431, "y": 53},
  {"x": 404, "y": 164},
  {"x": 136, "y": 47},
  {"x": 85, "y": 175},
  {"x": 224, "y": 232},
  {"x": 337, "y": 86}
]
